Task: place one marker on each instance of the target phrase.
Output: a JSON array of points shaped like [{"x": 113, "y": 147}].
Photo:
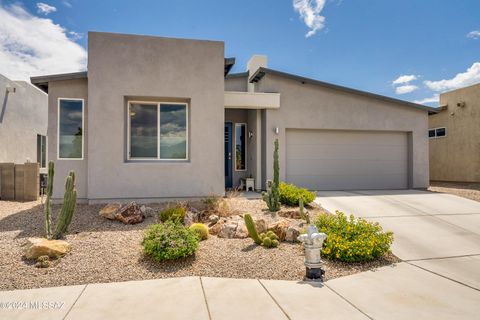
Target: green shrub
[
  {"x": 290, "y": 195},
  {"x": 169, "y": 241},
  {"x": 201, "y": 230},
  {"x": 176, "y": 214},
  {"x": 352, "y": 239}
]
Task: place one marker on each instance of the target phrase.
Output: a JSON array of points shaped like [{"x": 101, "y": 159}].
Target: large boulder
[
  {"x": 130, "y": 214},
  {"x": 110, "y": 210},
  {"x": 37, "y": 247},
  {"x": 215, "y": 229},
  {"x": 279, "y": 228}
]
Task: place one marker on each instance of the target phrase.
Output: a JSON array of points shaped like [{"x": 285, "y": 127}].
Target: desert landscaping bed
[
  {"x": 108, "y": 251},
  {"x": 469, "y": 190}
]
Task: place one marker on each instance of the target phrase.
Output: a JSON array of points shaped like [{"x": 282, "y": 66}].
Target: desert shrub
[
  {"x": 290, "y": 195},
  {"x": 201, "y": 230},
  {"x": 176, "y": 214},
  {"x": 168, "y": 241},
  {"x": 352, "y": 239},
  {"x": 211, "y": 202}
]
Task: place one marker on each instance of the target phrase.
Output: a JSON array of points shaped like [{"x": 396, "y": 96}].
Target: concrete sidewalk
[{"x": 394, "y": 292}]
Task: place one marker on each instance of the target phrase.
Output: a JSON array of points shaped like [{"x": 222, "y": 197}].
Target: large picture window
[
  {"x": 240, "y": 146},
  {"x": 70, "y": 129},
  {"x": 157, "y": 131}
]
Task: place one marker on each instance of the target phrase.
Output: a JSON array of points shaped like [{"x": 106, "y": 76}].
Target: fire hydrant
[{"x": 312, "y": 243}]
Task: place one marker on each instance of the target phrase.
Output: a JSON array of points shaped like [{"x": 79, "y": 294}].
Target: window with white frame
[
  {"x": 157, "y": 131},
  {"x": 240, "y": 146},
  {"x": 437, "y": 132},
  {"x": 70, "y": 129}
]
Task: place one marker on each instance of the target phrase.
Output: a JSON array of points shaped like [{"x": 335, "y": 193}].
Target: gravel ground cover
[
  {"x": 108, "y": 251},
  {"x": 461, "y": 189}
]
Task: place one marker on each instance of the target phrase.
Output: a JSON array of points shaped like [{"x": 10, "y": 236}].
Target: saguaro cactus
[
  {"x": 272, "y": 196},
  {"x": 68, "y": 207},
  {"x": 48, "y": 205}
]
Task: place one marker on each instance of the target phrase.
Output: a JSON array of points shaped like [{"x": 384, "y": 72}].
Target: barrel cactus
[{"x": 269, "y": 240}]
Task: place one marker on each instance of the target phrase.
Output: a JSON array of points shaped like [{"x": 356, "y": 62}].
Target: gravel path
[
  {"x": 108, "y": 251},
  {"x": 462, "y": 189}
]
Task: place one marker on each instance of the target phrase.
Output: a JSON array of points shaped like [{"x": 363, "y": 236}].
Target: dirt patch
[
  {"x": 461, "y": 189},
  {"x": 109, "y": 251}
]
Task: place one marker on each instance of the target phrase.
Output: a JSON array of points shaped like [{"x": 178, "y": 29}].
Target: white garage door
[{"x": 347, "y": 160}]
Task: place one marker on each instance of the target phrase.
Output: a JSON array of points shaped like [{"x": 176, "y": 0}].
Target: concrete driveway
[{"x": 439, "y": 233}]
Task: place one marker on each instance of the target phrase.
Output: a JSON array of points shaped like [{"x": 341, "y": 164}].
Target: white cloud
[
  {"x": 67, "y": 3},
  {"x": 405, "y": 89},
  {"x": 469, "y": 77},
  {"x": 31, "y": 46},
  {"x": 309, "y": 11},
  {"x": 45, "y": 8},
  {"x": 404, "y": 79},
  {"x": 475, "y": 34},
  {"x": 75, "y": 35},
  {"x": 432, "y": 99}
]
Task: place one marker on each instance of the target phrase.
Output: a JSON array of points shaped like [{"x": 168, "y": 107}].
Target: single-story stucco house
[{"x": 157, "y": 118}]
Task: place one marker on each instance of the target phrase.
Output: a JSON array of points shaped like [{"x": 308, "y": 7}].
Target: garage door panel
[
  {"x": 346, "y": 160},
  {"x": 342, "y": 137},
  {"x": 346, "y": 182},
  {"x": 355, "y": 152},
  {"x": 345, "y": 167}
]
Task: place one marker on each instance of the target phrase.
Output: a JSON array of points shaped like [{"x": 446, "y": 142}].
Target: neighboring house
[
  {"x": 23, "y": 123},
  {"x": 454, "y": 134},
  {"x": 161, "y": 118}
]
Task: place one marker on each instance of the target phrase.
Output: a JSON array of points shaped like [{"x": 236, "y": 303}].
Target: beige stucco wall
[
  {"x": 23, "y": 115},
  {"x": 456, "y": 157},
  {"x": 120, "y": 66},
  {"x": 307, "y": 106},
  {"x": 67, "y": 89}
]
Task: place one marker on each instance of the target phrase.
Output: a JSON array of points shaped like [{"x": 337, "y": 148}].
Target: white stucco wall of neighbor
[
  {"x": 123, "y": 67},
  {"x": 23, "y": 115},
  {"x": 308, "y": 106}
]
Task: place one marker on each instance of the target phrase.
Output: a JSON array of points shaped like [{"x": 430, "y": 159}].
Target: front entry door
[{"x": 228, "y": 154}]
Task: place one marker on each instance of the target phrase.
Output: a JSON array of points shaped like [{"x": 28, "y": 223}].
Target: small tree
[
  {"x": 68, "y": 206},
  {"x": 272, "y": 196}
]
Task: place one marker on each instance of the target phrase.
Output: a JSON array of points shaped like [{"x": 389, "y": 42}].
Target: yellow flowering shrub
[{"x": 352, "y": 239}]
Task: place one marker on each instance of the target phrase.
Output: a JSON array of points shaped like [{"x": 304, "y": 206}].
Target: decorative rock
[
  {"x": 147, "y": 211},
  {"x": 215, "y": 229},
  {"x": 110, "y": 210},
  {"x": 228, "y": 230},
  {"x": 241, "y": 232},
  {"x": 212, "y": 219},
  {"x": 37, "y": 247},
  {"x": 279, "y": 228},
  {"x": 130, "y": 214},
  {"x": 292, "y": 234},
  {"x": 261, "y": 225}
]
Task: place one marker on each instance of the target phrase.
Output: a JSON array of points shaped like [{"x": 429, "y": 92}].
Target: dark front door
[{"x": 228, "y": 154}]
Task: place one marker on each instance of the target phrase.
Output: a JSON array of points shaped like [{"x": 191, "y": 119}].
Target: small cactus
[
  {"x": 303, "y": 215},
  {"x": 252, "y": 231},
  {"x": 48, "y": 205},
  {"x": 272, "y": 196},
  {"x": 269, "y": 240}
]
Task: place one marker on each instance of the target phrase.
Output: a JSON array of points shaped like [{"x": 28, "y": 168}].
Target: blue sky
[{"x": 361, "y": 44}]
